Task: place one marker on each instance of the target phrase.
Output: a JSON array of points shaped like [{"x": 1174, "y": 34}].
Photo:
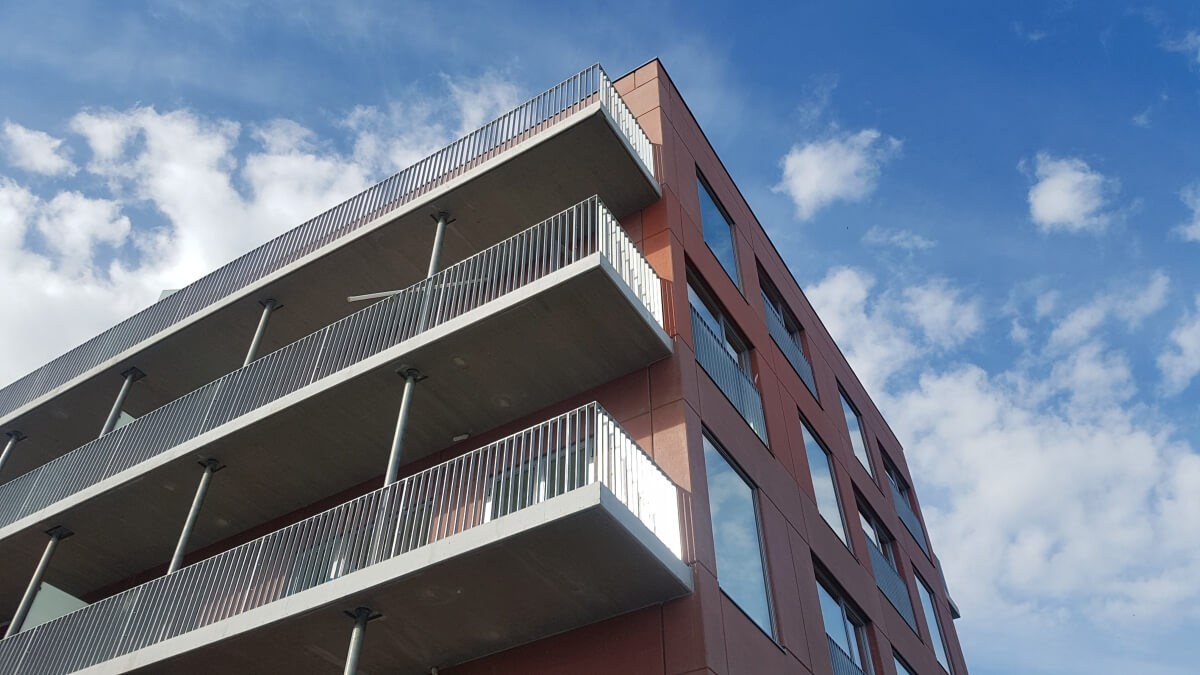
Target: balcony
[
  {"x": 562, "y": 307},
  {"x": 728, "y": 375},
  {"x": 558, "y": 526},
  {"x": 564, "y": 145},
  {"x": 909, "y": 517},
  {"x": 890, "y": 582},
  {"x": 842, "y": 663},
  {"x": 788, "y": 344}
]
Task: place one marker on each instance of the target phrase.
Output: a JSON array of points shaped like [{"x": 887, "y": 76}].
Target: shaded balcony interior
[
  {"x": 729, "y": 377},
  {"x": 575, "y": 140},
  {"x": 558, "y": 309},
  {"x": 560, "y": 525}
]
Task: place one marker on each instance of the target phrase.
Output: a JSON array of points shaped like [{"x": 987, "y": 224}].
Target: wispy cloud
[
  {"x": 1179, "y": 362},
  {"x": 1190, "y": 195},
  {"x": 903, "y": 239},
  {"x": 1029, "y": 34},
  {"x": 1130, "y": 303}
]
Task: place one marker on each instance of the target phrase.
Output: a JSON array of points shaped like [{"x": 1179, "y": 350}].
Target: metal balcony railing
[
  {"x": 909, "y": 517},
  {"x": 523, "y": 122},
  {"x": 729, "y": 376},
  {"x": 891, "y": 583},
  {"x": 842, "y": 663},
  {"x": 572, "y": 235},
  {"x": 579, "y": 448},
  {"x": 789, "y": 346}
]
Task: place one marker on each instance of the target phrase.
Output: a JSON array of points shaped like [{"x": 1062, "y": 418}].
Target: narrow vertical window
[
  {"x": 736, "y": 536},
  {"x": 820, "y": 467},
  {"x": 847, "y": 637},
  {"x": 857, "y": 438},
  {"x": 931, "y": 619},
  {"x": 718, "y": 230}
]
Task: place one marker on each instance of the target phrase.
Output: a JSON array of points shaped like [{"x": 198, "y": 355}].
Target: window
[
  {"x": 877, "y": 535},
  {"x": 736, "y": 536},
  {"x": 857, "y": 435},
  {"x": 718, "y": 230},
  {"x": 785, "y": 330},
  {"x": 931, "y": 620},
  {"x": 711, "y": 315},
  {"x": 901, "y": 667},
  {"x": 846, "y": 631},
  {"x": 820, "y": 467},
  {"x": 898, "y": 484}
]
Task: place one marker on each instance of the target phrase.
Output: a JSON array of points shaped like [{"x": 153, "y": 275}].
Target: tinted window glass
[
  {"x": 718, "y": 231},
  {"x": 824, "y": 487},
  {"x": 736, "y": 536}
]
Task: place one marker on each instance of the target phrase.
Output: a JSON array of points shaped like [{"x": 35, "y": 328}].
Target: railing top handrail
[{"x": 277, "y": 253}]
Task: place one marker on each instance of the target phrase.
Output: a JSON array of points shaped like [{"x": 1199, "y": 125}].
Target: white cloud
[
  {"x": 1130, "y": 304},
  {"x": 1191, "y": 197},
  {"x": 844, "y": 167},
  {"x": 842, "y": 301},
  {"x": 901, "y": 325},
  {"x": 36, "y": 151},
  {"x": 945, "y": 318},
  {"x": 1052, "y": 503},
  {"x": 1069, "y": 195},
  {"x": 909, "y": 241},
  {"x": 1179, "y": 362}
]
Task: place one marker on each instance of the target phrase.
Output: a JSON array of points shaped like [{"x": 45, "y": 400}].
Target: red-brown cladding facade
[{"x": 665, "y": 407}]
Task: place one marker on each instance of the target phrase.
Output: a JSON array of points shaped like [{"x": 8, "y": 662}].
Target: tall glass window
[
  {"x": 844, "y": 628},
  {"x": 740, "y": 570},
  {"x": 931, "y": 619},
  {"x": 857, "y": 439},
  {"x": 820, "y": 467},
  {"x": 718, "y": 230}
]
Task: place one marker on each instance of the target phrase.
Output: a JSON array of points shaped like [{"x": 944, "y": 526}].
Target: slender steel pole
[
  {"x": 443, "y": 219},
  {"x": 361, "y": 616},
  {"x": 132, "y": 375},
  {"x": 13, "y": 437},
  {"x": 57, "y": 534},
  {"x": 211, "y": 466},
  {"x": 393, "y": 465},
  {"x": 411, "y": 375},
  {"x": 269, "y": 306}
]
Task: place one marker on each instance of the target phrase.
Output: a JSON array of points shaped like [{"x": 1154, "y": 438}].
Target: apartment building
[{"x": 547, "y": 401}]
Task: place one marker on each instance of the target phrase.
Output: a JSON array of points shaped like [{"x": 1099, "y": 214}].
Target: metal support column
[
  {"x": 269, "y": 305},
  {"x": 443, "y": 219},
  {"x": 361, "y": 616},
  {"x": 411, "y": 377},
  {"x": 211, "y": 466},
  {"x": 57, "y": 534},
  {"x": 13, "y": 438},
  {"x": 132, "y": 375}
]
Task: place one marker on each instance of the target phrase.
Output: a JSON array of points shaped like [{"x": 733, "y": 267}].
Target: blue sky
[{"x": 995, "y": 209}]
